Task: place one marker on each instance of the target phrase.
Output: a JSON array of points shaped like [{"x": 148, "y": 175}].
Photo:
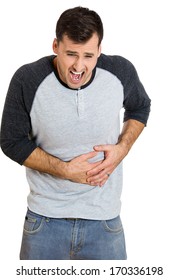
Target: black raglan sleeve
[
  {"x": 136, "y": 101},
  {"x": 15, "y": 133}
]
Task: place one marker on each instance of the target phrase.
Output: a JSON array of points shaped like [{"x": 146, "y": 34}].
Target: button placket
[{"x": 80, "y": 103}]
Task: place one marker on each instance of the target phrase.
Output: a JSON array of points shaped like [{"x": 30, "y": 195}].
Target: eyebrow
[{"x": 73, "y": 52}]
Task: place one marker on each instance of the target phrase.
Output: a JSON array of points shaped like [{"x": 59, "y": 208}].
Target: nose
[{"x": 78, "y": 65}]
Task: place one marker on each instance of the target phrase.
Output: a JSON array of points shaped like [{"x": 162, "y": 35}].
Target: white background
[{"x": 146, "y": 33}]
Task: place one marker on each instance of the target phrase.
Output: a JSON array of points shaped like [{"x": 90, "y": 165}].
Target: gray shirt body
[{"x": 67, "y": 123}]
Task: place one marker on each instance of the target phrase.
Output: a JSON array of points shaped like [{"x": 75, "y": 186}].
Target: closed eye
[
  {"x": 89, "y": 56},
  {"x": 71, "y": 54}
]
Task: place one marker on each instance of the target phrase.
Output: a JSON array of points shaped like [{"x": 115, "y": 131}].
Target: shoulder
[
  {"x": 34, "y": 71},
  {"x": 121, "y": 67},
  {"x": 114, "y": 63},
  {"x": 26, "y": 80},
  {"x": 112, "y": 60}
]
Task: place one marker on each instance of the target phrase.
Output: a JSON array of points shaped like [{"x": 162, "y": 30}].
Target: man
[{"x": 61, "y": 120}]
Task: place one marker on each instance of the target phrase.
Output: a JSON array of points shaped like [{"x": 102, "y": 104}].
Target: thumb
[{"x": 101, "y": 148}]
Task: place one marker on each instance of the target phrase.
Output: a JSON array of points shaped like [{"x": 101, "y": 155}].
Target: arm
[
  {"x": 74, "y": 170},
  {"x": 137, "y": 108},
  {"x": 17, "y": 141},
  {"x": 43, "y": 162},
  {"x": 114, "y": 154},
  {"x": 130, "y": 132}
]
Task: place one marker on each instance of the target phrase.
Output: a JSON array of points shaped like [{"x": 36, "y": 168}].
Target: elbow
[{"x": 9, "y": 149}]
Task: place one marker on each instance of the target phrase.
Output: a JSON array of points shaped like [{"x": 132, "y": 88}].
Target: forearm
[
  {"x": 114, "y": 154},
  {"x": 74, "y": 170},
  {"x": 130, "y": 132},
  {"x": 41, "y": 161}
]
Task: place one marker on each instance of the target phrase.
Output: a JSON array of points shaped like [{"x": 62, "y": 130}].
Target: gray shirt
[{"x": 67, "y": 123}]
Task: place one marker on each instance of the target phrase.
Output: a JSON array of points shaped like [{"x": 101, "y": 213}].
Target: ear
[
  {"x": 55, "y": 46},
  {"x": 99, "y": 51}
]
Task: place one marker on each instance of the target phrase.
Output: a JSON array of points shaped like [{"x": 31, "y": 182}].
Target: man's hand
[
  {"x": 76, "y": 169},
  {"x": 113, "y": 155}
]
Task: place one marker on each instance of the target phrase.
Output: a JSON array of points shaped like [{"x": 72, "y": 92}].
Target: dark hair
[{"x": 79, "y": 24}]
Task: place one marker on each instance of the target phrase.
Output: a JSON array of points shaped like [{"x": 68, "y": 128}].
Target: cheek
[
  {"x": 66, "y": 62},
  {"x": 91, "y": 65},
  {"x": 63, "y": 64}
]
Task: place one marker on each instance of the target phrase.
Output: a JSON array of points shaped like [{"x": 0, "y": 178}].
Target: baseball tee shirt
[{"x": 41, "y": 111}]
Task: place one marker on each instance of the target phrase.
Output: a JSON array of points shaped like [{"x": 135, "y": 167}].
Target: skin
[
  {"x": 75, "y": 63},
  {"x": 74, "y": 57}
]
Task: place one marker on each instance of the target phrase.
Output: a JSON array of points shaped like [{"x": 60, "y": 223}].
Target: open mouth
[{"x": 76, "y": 76}]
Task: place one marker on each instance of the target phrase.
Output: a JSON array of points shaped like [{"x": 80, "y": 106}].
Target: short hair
[{"x": 79, "y": 24}]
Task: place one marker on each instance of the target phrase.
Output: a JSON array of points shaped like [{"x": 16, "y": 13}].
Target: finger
[
  {"x": 95, "y": 164},
  {"x": 101, "y": 148},
  {"x": 99, "y": 182},
  {"x": 99, "y": 177},
  {"x": 88, "y": 155},
  {"x": 97, "y": 169},
  {"x": 103, "y": 182}
]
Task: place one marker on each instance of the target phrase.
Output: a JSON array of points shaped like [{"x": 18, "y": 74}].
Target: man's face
[{"x": 75, "y": 62}]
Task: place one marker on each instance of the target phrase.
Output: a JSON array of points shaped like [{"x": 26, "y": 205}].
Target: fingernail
[{"x": 97, "y": 147}]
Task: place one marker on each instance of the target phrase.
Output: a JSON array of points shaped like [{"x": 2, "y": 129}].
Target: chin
[{"x": 72, "y": 86}]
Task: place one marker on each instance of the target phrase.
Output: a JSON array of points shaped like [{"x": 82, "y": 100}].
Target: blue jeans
[{"x": 72, "y": 239}]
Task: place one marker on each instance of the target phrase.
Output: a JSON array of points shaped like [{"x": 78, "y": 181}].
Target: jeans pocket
[
  {"x": 113, "y": 225},
  {"x": 33, "y": 223}
]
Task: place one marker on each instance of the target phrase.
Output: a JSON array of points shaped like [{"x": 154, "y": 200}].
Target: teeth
[
  {"x": 76, "y": 76},
  {"x": 76, "y": 73}
]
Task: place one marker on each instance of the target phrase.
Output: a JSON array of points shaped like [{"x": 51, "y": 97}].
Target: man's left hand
[{"x": 113, "y": 155}]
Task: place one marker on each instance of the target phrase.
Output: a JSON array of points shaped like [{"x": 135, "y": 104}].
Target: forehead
[{"x": 91, "y": 44}]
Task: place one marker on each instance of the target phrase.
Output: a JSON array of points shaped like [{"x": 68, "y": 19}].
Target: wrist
[
  {"x": 62, "y": 169},
  {"x": 124, "y": 146}
]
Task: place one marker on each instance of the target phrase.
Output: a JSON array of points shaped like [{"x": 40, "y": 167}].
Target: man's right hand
[{"x": 76, "y": 169}]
